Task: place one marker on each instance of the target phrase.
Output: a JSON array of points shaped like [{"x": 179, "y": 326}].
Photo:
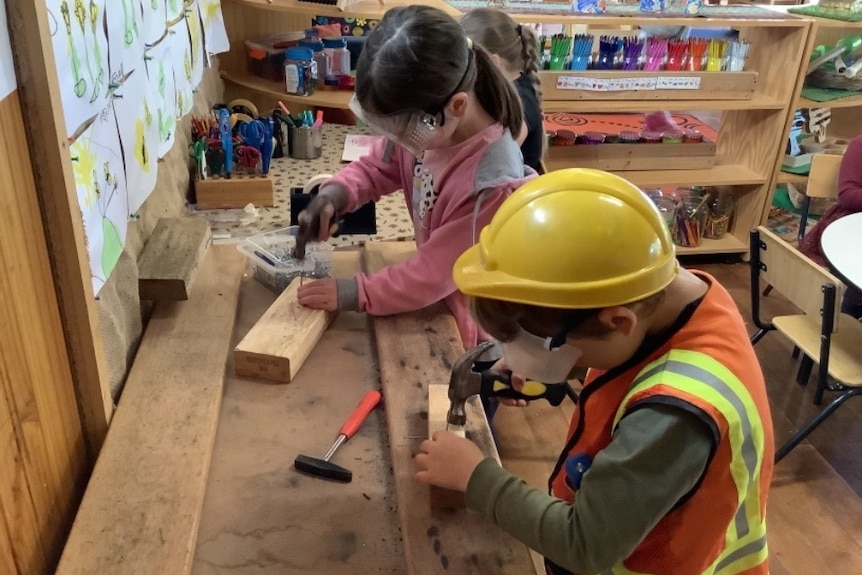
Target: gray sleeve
[
  {"x": 657, "y": 456},
  {"x": 347, "y": 294}
]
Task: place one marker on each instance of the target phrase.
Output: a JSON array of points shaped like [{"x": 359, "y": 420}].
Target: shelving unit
[
  {"x": 753, "y": 128},
  {"x": 846, "y": 119}
]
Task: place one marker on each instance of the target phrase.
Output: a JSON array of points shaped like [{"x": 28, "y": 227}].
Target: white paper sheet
[
  {"x": 139, "y": 136},
  {"x": 7, "y": 68},
  {"x": 356, "y": 146},
  {"x": 125, "y": 43},
  {"x": 196, "y": 38},
  {"x": 100, "y": 181},
  {"x": 161, "y": 86},
  {"x": 181, "y": 58},
  {"x": 81, "y": 55},
  {"x": 155, "y": 20},
  {"x": 174, "y": 9},
  {"x": 215, "y": 35}
]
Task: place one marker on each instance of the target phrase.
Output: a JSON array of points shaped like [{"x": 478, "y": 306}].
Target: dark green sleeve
[{"x": 657, "y": 456}]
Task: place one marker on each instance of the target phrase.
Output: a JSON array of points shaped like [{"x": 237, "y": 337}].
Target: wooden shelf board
[
  {"x": 788, "y": 178},
  {"x": 832, "y": 23},
  {"x": 327, "y": 99},
  {"x": 372, "y": 9},
  {"x": 726, "y": 172},
  {"x": 692, "y": 21},
  {"x": 726, "y": 245},
  {"x": 758, "y": 102},
  {"x": 849, "y": 102}
]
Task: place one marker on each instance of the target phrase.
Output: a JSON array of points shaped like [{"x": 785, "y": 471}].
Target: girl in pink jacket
[{"x": 448, "y": 116}]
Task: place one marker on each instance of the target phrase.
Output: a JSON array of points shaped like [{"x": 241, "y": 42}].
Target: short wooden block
[
  {"x": 171, "y": 257},
  {"x": 573, "y": 85},
  {"x": 280, "y": 342},
  {"x": 625, "y": 157},
  {"x": 235, "y": 192}
]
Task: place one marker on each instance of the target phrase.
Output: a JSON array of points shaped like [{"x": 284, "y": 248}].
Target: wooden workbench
[{"x": 262, "y": 517}]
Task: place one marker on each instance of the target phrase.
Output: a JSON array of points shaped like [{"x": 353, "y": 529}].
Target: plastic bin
[
  {"x": 269, "y": 255},
  {"x": 266, "y": 56}
]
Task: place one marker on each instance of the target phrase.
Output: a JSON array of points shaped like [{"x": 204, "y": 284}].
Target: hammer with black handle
[{"x": 465, "y": 382}]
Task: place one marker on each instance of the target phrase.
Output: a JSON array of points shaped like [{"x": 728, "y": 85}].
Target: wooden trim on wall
[{"x": 55, "y": 185}]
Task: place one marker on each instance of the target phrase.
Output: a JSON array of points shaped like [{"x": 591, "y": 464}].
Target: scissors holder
[
  {"x": 305, "y": 142},
  {"x": 235, "y": 192}
]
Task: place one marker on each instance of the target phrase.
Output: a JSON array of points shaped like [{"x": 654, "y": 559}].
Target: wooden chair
[
  {"x": 822, "y": 183},
  {"x": 824, "y": 334}
]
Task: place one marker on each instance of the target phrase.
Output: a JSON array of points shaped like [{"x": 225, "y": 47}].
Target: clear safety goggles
[{"x": 413, "y": 130}]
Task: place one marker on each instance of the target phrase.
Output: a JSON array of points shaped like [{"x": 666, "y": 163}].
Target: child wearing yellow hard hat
[{"x": 668, "y": 458}]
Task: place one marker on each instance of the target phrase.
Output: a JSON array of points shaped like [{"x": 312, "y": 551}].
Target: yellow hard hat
[{"x": 576, "y": 238}]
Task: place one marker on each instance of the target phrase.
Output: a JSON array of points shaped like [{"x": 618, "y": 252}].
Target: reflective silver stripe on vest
[
  {"x": 752, "y": 548},
  {"x": 749, "y": 452}
]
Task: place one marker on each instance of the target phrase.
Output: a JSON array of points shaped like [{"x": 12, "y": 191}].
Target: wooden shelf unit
[{"x": 753, "y": 129}]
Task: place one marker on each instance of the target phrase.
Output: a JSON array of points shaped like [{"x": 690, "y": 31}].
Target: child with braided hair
[{"x": 515, "y": 50}]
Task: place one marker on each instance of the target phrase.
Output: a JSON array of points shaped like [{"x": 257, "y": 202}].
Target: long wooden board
[
  {"x": 414, "y": 350},
  {"x": 277, "y": 346},
  {"x": 141, "y": 510}
]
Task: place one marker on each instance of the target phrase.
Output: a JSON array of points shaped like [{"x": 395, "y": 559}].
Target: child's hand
[
  {"x": 447, "y": 461},
  {"x": 517, "y": 384},
  {"x": 319, "y": 294}
]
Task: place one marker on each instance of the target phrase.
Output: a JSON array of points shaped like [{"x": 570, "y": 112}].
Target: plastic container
[
  {"x": 266, "y": 56},
  {"x": 720, "y": 213},
  {"x": 269, "y": 254},
  {"x": 319, "y": 57},
  {"x": 629, "y": 137},
  {"x": 672, "y": 137},
  {"x": 690, "y": 221},
  {"x": 592, "y": 138},
  {"x": 300, "y": 71},
  {"x": 337, "y": 56},
  {"x": 666, "y": 207}
]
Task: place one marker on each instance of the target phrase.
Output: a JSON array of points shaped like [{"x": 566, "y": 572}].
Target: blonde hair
[{"x": 515, "y": 44}]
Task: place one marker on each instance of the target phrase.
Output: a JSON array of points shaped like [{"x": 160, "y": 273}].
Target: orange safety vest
[{"x": 707, "y": 363}]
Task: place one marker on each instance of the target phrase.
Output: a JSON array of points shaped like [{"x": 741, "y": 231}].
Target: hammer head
[
  {"x": 464, "y": 382},
  {"x": 322, "y": 468}
]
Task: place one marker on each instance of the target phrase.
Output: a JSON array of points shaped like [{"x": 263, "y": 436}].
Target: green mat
[
  {"x": 827, "y": 95},
  {"x": 827, "y": 13}
]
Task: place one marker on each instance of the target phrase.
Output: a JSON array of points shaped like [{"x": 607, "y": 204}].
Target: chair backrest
[
  {"x": 795, "y": 276},
  {"x": 823, "y": 176}
]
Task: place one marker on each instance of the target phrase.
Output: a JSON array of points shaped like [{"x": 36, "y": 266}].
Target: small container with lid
[
  {"x": 629, "y": 137},
  {"x": 651, "y": 137},
  {"x": 300, "y": 71},
  {"x": 337, "y": 56},
  {"x": 592, "y": 138},
  {"x": 319, "y": 57},
  {"x": 672, "y": 137},
  {"x": 692, "y": 137}
]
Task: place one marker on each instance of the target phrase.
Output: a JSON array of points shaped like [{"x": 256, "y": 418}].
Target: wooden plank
[
  {"x": 48, "y": 464},
  {"x": 260, "y": 515},
  {"x": 236, "y": 192},
  {"x": 142, "y": 506},
  {"x": 171, "y": 257},
  {"x": 625, "y": 157},
  {"x": 566, "y": 86},
  {"x": 55, "y": 187},
  {"x": 277, "y": 346},
  {"x": 414, "y": 350}
]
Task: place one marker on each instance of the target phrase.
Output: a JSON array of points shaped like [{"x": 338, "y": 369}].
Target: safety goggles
[{"x": 411, "y": 129}]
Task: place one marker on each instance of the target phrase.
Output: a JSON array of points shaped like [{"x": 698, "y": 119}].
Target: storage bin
[
  {"x": 266, "y": 56},
  {"x": 274, "y": 267}
]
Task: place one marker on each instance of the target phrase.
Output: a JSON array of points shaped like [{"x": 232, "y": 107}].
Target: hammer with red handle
[{"x": 324, "y": 467}]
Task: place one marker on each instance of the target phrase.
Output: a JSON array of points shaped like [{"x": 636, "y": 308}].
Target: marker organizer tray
[{"x": 275, "y": 267}]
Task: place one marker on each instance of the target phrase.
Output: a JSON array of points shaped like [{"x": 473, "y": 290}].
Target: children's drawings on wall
[
  {"x": 117, "y": 60},
  {"x": 7, "y": 69},
  {"x": 160, "y": 71},
  {"x": 215, "y": 34},
  {"x": 125, "y": 43},
  {"x": 181, "y": 55},
  {"x": 81, "y": 54},
  {"x": 174, "y": 9},
  {"x": 196, "y": 38},
  {"x": 100, "y": 180},
  {"x": 139, "y": 136},
  {"x": 155, "y": 20}
]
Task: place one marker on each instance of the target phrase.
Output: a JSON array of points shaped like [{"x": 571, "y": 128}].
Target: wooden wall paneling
[
  {"x": 49, "y": 462},
  {"x": 55, "y": 187},
  {"x": 7, "y": 561}
]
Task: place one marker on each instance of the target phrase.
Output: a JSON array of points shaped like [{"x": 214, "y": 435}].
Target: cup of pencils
[
  {"x": 720, "y": 212},
  {"x": 691, "y": 216}
]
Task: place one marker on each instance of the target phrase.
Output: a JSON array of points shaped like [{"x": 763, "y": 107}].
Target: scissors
[
  {"x": 226, "y": 139},
  {"x": 268, "y": 146},
  {"x": 198, "y": 150},
  {"x": 253, "y": 133}
]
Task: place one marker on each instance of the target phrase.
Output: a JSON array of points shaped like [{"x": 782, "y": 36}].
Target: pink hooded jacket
[{"x": 441, "y": 194}]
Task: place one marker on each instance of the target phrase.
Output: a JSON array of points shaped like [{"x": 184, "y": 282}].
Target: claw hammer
[{"x": 465, "y": 381}]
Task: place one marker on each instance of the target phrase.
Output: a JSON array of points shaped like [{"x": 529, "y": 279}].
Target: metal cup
[{"x": 305, "y": 142}]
